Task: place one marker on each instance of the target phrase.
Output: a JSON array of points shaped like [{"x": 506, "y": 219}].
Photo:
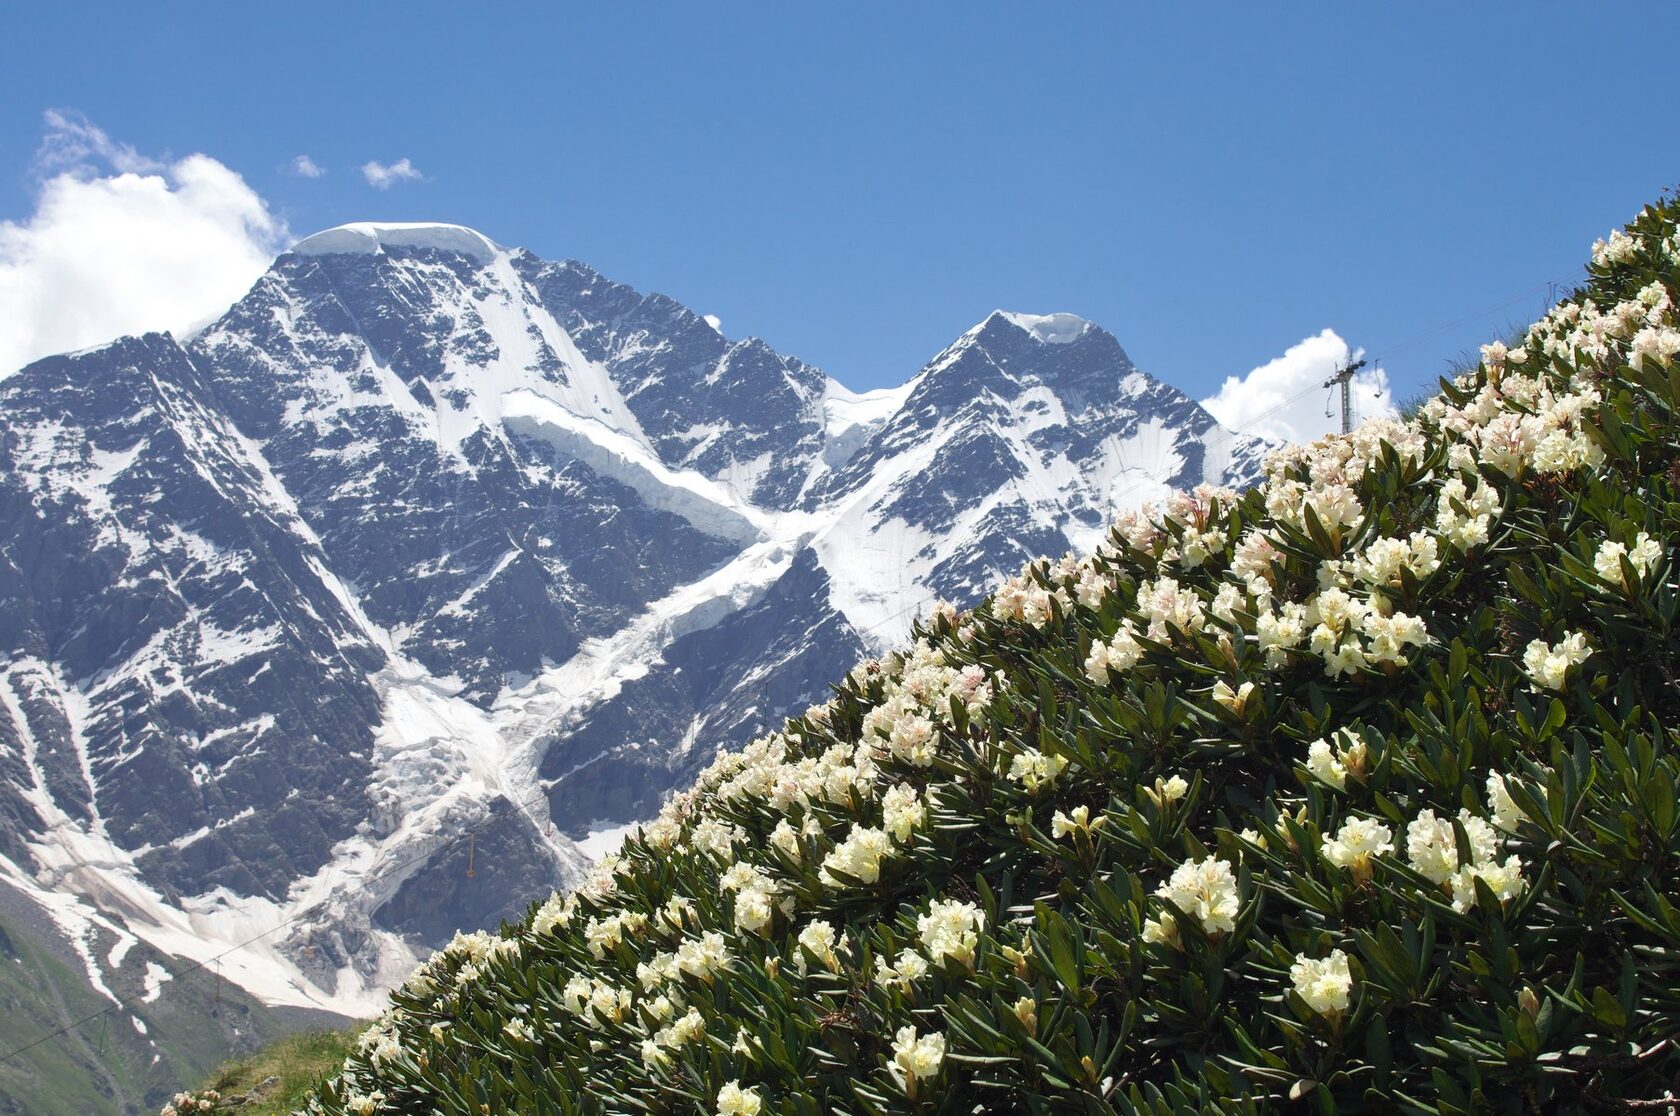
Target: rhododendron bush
[{"x": 1356, "y": 791}]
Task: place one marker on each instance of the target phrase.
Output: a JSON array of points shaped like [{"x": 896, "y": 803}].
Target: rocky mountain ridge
[{"x": 428, "y": 537}]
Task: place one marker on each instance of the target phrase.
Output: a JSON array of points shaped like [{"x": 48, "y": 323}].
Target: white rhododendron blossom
[
  {"x": 1035, "y": 770},
  {"x": 733, "y": 1100},
  {"x": 1280, "y": 631},
  {"x": 820, "y": 939},
  {"x": 1120, "y": 654},
  {"x": 785, "y": 838},
  {"x": 950, "y": 931},
  {"x": 1507, "y": 815},
  {"x": 1352, "y": 634},
  {"x": 1066, "y": 823},
  {"x": 1236, "y": 700},
  {"x": 1206, "y": 890},
  {"x": 859, "y": 857},
  {"x": 1618, "y": 249},
  {"x": 903, "y": 812},
  {"x": 1356, "y": 843},
  {"x": 1226, "y": 601},
  {"x": 1167, "y": 791},
  {"x": 916, "y": 1057},
  {"x": 1167, "y": 609},
  {"x": 1656, "y": 345},
  {"x": 1023, "y": 599},
  {"x": 1332, "y": 761},
  {"x": 1255, "y": 560},
  {"x": 703, "y": 956},
  {"x": 1383, "y": 561},
  {"x": 1432, "y": 850},
  {"x": 1548, "y": 664},
  {"x": 716, "y": 836},
  {"x": 1325, "y": 984},
  {"x": 1642, "y": 556},
  {"x": 902, "y": 972},
  {"x": 1464, "y": 515}
]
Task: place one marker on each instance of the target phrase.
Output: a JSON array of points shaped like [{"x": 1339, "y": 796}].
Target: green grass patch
[{"x": 277, "y": 1079}]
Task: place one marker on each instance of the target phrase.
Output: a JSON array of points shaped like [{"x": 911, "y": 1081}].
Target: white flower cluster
[
  {"x": 1548, "y": 664},
  {"x": 1507, "y": 815},
  {"x": 183, "y": 1104},
  {"x": 381, "y": 1043},
  {"x": 1184, "y": 531},
  {"x": 1206, "y": 890},
  {"x": 595, "y": 1001},
  {"x": 1119, "y": 653},
  {"x": 1025, "y": 598},
  {"x": 733, "y": 1100},
  {"x": 1383, "y": 561},
  {"x": 686, "y": 1028},
  {"x": 917, "y": 698},
  {"x": 902, "y": 972},
  {"x": 1620, "y": 248},
  {"x": 857, "y": 859},
  {"x": 1326, "y": 985},
  {"x": 1432, "y": 850},
  {"x": 916, "y": 1058},
  {"x": 1067, "y": 823},
  {"x": 950, "y": 931},
  {"x": 1464, "y": 514},
  {"x": 903, "y": 812},
  {"x": 1356, "y": 843},
  {"x": 1035, "y": 770},
  {"x": 755, "y": 896},
  {"x": 1642, "y": 556},
  {"x": 822, "y": 941},
  {"x": 1332, "y": 761},
  {"x": 1169, "y": 609},
  {"x": 1350, "y": 633}
]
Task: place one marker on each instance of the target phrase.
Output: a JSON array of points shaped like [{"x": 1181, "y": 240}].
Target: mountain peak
[
  {"x": 372, "y": 238},
  {"x": 1051, "y": 329}
]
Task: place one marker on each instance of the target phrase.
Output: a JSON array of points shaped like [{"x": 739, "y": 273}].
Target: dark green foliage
[{"x": 1555, "y": 988}]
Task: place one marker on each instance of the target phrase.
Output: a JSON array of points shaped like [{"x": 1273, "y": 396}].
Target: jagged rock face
[
  {"x": 374, "y": 382},
  {"x": 173, "y": 653},
  {"x": 615, "y": 759},
  {"x": 427, "y": 537},
  {"x": 736, "y": 411}
]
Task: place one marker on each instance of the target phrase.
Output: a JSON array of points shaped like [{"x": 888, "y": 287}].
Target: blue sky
[{"x": 859, "y": 183}]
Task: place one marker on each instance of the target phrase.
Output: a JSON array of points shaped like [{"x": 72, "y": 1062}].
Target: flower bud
[{"x": 1026, "y": 1010}]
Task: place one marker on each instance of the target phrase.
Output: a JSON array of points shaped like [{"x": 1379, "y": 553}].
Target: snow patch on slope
[
  {"x": 1052, "y": 329},
  {"x": 711, "y": 507},
  {"x": 371, "y": 238},
  {"x": 558, "y": 697}
]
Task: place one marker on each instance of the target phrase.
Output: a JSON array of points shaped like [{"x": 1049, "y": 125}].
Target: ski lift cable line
[
  {"x": 875, "y": 629},
  {"x": 1420, "y": 338}
]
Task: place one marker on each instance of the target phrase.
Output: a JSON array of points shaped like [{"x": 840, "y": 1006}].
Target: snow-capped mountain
[{"x": 426, "y": 537}]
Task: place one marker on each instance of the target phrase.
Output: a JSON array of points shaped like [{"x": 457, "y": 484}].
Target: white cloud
[
  {"x": 122, "y": 243},
  {"x": 382, "y": 176},
  {"x": 305, "y": 167},
  {"x": 714, "y": 321},
  {"x": 73, "y": 145},
  {"x": 1286, "y": 399}
]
